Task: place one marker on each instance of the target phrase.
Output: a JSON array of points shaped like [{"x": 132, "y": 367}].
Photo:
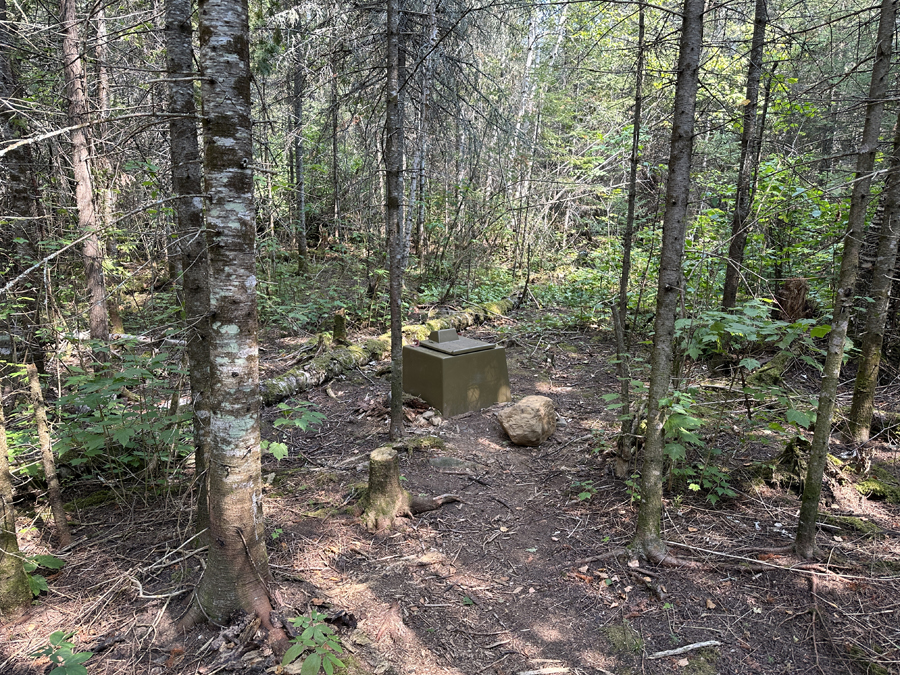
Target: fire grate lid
[{"x": 448, "y": 342}]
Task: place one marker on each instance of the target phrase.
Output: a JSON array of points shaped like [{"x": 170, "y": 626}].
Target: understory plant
[
  {"x": 319, "y": 641},
  {"x": 60, "y": 652}
]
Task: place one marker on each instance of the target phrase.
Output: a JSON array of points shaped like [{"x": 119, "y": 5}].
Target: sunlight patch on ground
[{"x": 547, "y": 633}]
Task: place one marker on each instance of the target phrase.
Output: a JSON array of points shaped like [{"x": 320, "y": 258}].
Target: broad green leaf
[
  {"x": 311, "y": 665},
  {"x": 749, "y": 364},
  {"x": 820, "y": 331},
  {"x": 799, "y": 418},
  {"x": 293, "y": 652},
  {"x": 37, "y": 584},
  {"x": 48, "y": 561},
  {"x": 278, "y": 450}
]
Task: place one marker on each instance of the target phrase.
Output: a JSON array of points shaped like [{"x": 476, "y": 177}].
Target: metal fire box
[{"x": 454, "y": 374}]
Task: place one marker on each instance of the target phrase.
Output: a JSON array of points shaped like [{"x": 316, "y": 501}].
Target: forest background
[{"x": 409, "y": 157}]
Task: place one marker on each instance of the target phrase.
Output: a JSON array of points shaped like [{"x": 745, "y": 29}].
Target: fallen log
[{"x": 331, "y": 364}]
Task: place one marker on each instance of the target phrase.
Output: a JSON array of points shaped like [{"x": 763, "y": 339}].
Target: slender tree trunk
[
  {"x": 73, "y": 70},
  {"x": 805, "y": 542},
  {"x": 647, "y": 537},
  {"x": 743, "y": 194},
  {"x": 22, "y": 200},
  {"x": 54, "y": 494},
  {"x": 626, "y": 439},
  {"x": 300, "y": 168},
  {"x": 335, "y": 164},
  {"x": 237, "y": 571},
  {"x": 185, "y": 152},
  {"x": 860, "y": 419},
  {"x": 14, "y": 592},
  {"x": 393, "y": 184}
]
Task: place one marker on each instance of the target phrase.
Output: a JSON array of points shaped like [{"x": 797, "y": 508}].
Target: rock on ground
[{"x": 530, "y": 422}]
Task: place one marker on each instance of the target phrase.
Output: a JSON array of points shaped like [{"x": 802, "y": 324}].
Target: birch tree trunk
[
  {"x": 743, "y": 194},
  {"x": 647, "y": 537},
  {"x": 73, "y": 70},
  {"x": 393, "y": 184},
  {"x": 805, "y": 542},
  {"x": 860, "y": 419},
  {"x": 186, "y": 184},
  {"x": 237, "y": 571}
]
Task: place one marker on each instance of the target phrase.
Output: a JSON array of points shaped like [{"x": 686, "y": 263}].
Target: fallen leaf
[
  {"x": 634, "y": 563},
  {"x": 710, "y": 604},
  {"x": 692, "y": 529},
  {"x": 583, "y": 570},
  {"x": 531, "y": 590},
  {"x": 682, "y": 662}
]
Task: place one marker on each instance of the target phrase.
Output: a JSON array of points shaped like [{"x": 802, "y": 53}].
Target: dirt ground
[{"x": 516, "y": 577}]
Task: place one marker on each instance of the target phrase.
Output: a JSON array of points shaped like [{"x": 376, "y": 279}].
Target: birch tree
[{"x": 237, "y": 572}]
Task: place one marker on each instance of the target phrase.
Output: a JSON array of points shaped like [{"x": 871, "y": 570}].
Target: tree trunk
[
  {"x": 237, "y": 571},
  {"x": 186, "y": 183},
  {"x": 84, "y": 192},
  {"x": 54, "y": 494},
  {"x": 300, "y": 168},
  {"x": 22, "y": 201},
  {"x": 743, "y": 193},
  {"x": 625, "y": 442},
  {"x": 393, "y": 183},
  {"x": 15, "y": 594},
  {"x": 860, "y": 419},
  {"x": 805, "y": 542},
  {"x": 647, "y": 537}
]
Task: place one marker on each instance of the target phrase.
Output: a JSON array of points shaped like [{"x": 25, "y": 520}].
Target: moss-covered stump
[
  {"x": 880, "y": 485},
  {"x": 385, "y": 500},
  {"x": 771, "y": 372},
  {"x": 340, "y": 327},
  {"x": 334, "y": 363}
]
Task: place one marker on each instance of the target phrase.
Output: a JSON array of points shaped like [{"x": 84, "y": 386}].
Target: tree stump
[
  {"x": 385, "y": 500},
  {"x": 339, "y": 334}
]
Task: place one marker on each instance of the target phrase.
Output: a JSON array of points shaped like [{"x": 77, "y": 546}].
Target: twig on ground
[{"x": 685, "y": 649}]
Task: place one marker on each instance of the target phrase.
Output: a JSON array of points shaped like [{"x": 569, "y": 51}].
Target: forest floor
[{"x": 513, "y": 578}]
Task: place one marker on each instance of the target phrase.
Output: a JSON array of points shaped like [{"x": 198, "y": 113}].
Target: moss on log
[{"x": 334, "y": 363}]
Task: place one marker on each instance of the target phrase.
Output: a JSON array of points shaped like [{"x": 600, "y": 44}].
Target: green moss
[
  {"x": 572, "y": 349},
  {"x": 703, "y": 662},
  {"x": 624, "y": 638},
  {"x": 420, "y": 443},
  {"x": 93, "y": 499},
  {"x": 851, "y": 523},
  {"x": 880, "y": 485}
]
